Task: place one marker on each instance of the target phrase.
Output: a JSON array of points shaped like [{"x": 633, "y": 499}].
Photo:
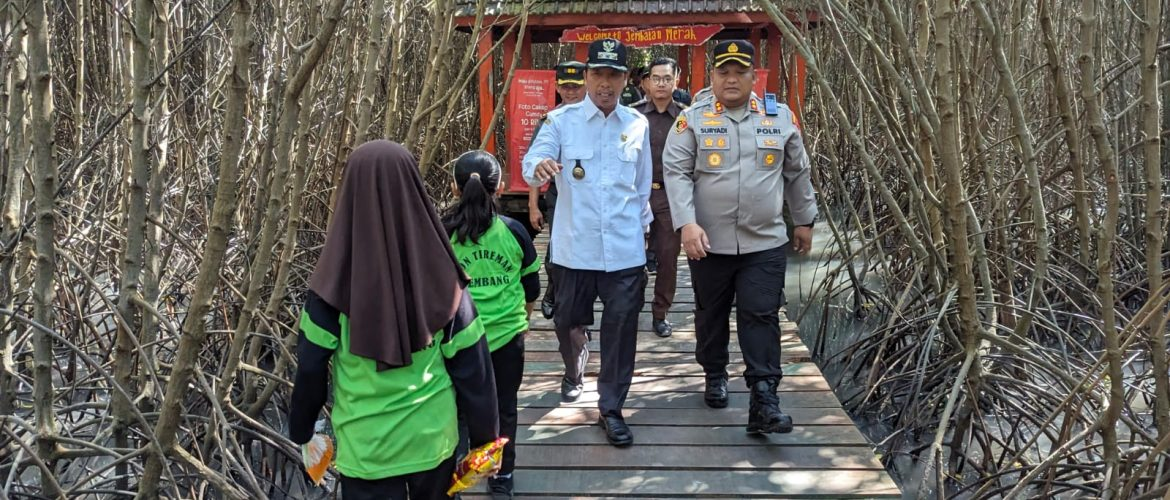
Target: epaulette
[{"x": 640, "y": 102}]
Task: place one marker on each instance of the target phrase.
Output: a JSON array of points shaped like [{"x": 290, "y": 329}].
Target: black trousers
[
  {"x": 755, "y": 282},
  {"x": 426, "y": 485},
  {"x": 508, "y": 363},
  {"x": 622, "y": 297},
  {"x": 551, "y": 270}
]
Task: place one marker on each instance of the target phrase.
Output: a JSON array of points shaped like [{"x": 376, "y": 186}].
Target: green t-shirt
[
  {"x": 397, "y": 421},
  {"x": 496, "y": 263}
]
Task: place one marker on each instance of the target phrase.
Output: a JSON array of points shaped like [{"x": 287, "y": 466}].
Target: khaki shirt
[{"x": 731, "y": 170}]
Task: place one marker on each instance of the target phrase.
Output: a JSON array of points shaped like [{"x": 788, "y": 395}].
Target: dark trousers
[
  {"x": 508, "y": 364},
  {"x": 551, "y": 270},
  {"x": 666, "y": 243},
  {"x": 754, "y": 281},
  {"x": 621, "y": 294},
  {"x": 426, "y": 485}
]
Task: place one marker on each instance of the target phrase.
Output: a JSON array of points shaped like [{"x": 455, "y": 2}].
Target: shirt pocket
[
  {"x": 629, "y": 153},
  {"x": 769, "y": 152},
  {"x": 576, "y": 161},
  {"x": 713, "y": 154}
]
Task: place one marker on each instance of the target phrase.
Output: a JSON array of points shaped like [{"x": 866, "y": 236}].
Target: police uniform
[
  {"x": 568, "y": 72},
  {"x": 731, "y": 171},
  {"x": 665, "y": 242},
  {"x": 602, "y": 207}
]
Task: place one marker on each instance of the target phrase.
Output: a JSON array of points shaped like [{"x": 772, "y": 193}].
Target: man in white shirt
[{"x": 598, "y": 153}]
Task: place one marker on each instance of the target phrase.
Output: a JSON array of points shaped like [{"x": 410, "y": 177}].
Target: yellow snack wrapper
[
  {"x": 317, "y": 454},
  {"x": 478, "y": 464}
]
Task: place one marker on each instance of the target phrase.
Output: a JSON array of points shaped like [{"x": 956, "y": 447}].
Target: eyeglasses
[{"x": 661, "y": 80}]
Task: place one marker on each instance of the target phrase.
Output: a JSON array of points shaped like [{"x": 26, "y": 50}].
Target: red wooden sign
[
  {"x": 663, "y": 35},
  {"x": 533, "y": 94}
]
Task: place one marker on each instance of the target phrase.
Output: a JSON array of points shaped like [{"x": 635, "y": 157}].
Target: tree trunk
[
  {"x": 1155, "y": 209},
  {"x": 1087, "y": 63},
  {"x": 17, "y": 151},
  {"x": 42, "y": 130},
  {"x": 193, "y": 332},
  {"x": 154, "y": 234},
  {"x": 373, "y": 53},
  {"x": 1027, "y": 153},
  {"x": 284, "y": 132},
  {"x": 1062, "y": 88},
  {"x": 135, "y": 217}
]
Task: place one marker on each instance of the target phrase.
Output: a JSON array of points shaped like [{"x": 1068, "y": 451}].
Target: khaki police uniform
[{"x": 731, "y": 171}]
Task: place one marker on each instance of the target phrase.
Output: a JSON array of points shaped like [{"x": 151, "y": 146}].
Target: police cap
[
  {"x": 737, "y": 51},
  {"x": 571, "y": 73}
]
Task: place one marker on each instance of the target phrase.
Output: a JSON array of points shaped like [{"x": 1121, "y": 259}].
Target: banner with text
[
  {"x": 663, "y": 35},
  {"x": 533, "y": 94}
]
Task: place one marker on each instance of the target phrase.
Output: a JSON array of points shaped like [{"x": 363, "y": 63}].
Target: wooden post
[
  {"x": 526, "y": 51},
  {"x": 486, "y": 101},
  {"x": 773, "y": 55},
  {"x": 796, "y": 85},
  {"x": 755, "y": 41},
  {"x": 698, "y": 68},
  {"x": 684, "y": 68}
]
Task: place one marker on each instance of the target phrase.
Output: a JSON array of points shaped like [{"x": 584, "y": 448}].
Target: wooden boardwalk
[{"x": 682, "y": 448}]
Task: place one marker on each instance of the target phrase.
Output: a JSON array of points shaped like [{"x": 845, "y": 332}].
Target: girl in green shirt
[
  {"x": 388, "y": 308},
  {"x": 500, "y": 258}
]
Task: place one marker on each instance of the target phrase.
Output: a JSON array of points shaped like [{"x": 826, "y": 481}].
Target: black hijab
[{"x": 387, "y": 262}]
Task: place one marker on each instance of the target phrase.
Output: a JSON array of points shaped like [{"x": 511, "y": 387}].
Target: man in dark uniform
[
  {"x": 571, "y": 89},
  {"x": 632, "y": 92},
  {"x": 661, "y": 111},
  {"x": 730, "y": 164}
]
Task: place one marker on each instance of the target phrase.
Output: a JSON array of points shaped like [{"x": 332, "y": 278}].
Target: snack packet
[
  {"x": 317, "y": 454},
  {"x": 479, "y": 463}
]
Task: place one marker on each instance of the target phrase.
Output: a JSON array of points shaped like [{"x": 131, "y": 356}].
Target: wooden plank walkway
[{"x": 682, "y": 448}]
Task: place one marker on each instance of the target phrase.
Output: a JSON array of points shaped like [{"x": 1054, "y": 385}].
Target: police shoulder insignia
[{"x": 680, "y": 126}]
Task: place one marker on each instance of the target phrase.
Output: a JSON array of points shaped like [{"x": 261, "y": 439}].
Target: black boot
[
  {"x": 716, "y": 393},
  {"x": 764, "y": 415}
]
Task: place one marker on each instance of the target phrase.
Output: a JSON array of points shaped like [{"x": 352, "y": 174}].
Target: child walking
[
  {"x": 498, "y": 255},
  {"x": 389, "y": 308}
]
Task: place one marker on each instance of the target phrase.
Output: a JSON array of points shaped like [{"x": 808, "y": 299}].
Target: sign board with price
[{"x": 533, "y": 94}]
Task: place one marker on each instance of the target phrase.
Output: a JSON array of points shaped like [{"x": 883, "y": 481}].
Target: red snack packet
[{"x": 478, "y": 464}]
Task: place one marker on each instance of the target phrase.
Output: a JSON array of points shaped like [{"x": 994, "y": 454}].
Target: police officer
[
  {"x": 598, "y": 153},
  {"x": 730, "y": 165},
  {"x": 661, "y": 111},
  {"x": 571, "y": 89}
]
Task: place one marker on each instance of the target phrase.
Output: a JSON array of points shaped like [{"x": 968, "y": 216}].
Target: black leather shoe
[
  {"x": 547, "y": 308},
  {"x": 616, "y": 430},
  {"x": 663, "y": 328},
  {"x": 500, "y": 487},
  {"x": 716, "y": 394},
  {"x": 570, "y": 392}
]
